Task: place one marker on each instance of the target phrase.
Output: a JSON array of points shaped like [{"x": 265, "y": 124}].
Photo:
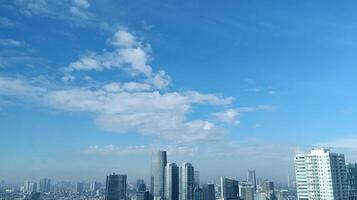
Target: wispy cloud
[
  {"x": 347, "y": 146},
  {"x": 230, "y": 116},
  {"x": 8, "y": 23},
  {"x": 76, "y": 12}
]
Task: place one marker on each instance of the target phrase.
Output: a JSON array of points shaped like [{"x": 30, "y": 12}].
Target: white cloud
[
  {"x": 129, "y": 55},
  {"x": 68, "y": 78},
  {"x": 82, "y": 3},
  {"x": 257, "y": 108},
  {"x": 123, "y": 38},
  {"x": 11, "y": 43},
  {"x": 140, "y": 106},
  {"x": 230, "y": 116},
  {"x": 147, "y": 113}
]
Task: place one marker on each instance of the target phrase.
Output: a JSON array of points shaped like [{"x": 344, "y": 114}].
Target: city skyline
[{"x": 88, "y": 88}]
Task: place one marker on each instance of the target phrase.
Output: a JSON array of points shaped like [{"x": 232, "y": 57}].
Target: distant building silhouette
[{"x": 208, "y": 192}]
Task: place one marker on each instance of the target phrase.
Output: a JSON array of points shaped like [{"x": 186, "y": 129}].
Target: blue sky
[{"x": 91, "y": 87}]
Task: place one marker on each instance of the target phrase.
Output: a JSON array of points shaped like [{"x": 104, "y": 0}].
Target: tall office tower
[
  {"x": 246, "y": 191},
  {"x": 288, "y": 181},
  {"x": 268, "y": 188},
  {"x": 94, "y": 187},
  {"x": 157, "y": 179},
  {"x": 251, "y": 177},
  {"x": 44, "y": 185},
  {"x": 321, "y": 175},
  {"x": 229, "y": 189},
  {"x": 197, "y": 178},
  {"x": 27, "y": 186},
  {"x": 187, "y": 181},
  {"x": 208, "y": 192},
  {"x": 140, "y": 185},
  {"x": 115, "y": 188},
  {"x": 352, "y": 181},
  {"x": 79, "y": 188},
  {"x": 142, "y": 195},
  {"x": 33, "y": 187},
  {"x": 171, "y": 182},
  {"x": 197, "y": 194}
]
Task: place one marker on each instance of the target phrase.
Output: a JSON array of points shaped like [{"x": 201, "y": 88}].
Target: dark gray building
[
  {"x": 187, "y": 181},
  {"x": 229, "y": 189},
  {"x": 208, "y": 192},
  {"x": 352, "y": 181},
  {"x": 115, "y": 187},
  {"x": 142, "y": 195},
  {"x": 171, "y": 182}
]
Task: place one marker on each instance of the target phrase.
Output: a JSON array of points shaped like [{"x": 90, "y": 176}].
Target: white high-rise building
[{"x": 321, "y": 175}]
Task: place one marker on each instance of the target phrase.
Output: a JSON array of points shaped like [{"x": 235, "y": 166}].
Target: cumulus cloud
[
  {"x": 141, "y": 106},
  {"x": 129, "y": 55}
]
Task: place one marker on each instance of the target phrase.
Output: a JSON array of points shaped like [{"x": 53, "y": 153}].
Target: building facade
[
  {"x": 352, "y": 180},
  {"x": 115, "y": 188},
  {"x": 321, "y": 175},
  {"x": 157, "y": 179},
  {"x": 251, "y": 178},
  {"x": 187, "y": 182},
  {"x": 229, "y": 189},
  {"x": 172, "y": 182}
]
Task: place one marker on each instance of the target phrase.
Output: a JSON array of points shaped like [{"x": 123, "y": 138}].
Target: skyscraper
[
  {"x": 251, "y": 177},
  {"x": 140, "y": 185},
  {"x": 142, "y": 195},
  {"x": 157, "y": 179},
  {"x": 187, "y": 181},
  {"x": 197, "y": 178},
  {"x": 321, "y": 174},
  {"x": 197, "y": 193},
  {"x": 229, "y": 189},
  {"x": 115, "y": 187},
  {"x": 172, "y": 182},
  {"x": 208, "y": 192},
  {"x": 79, "y": 188},
  {"x": 44, "y": 185},
  {"x": 246, "y": 191},
  {"x": 94, "y": 187},
  {"x": 352, "y": 180}
]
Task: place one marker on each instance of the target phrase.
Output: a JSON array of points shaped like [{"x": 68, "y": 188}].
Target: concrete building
[{"x": 321, "y": 175}]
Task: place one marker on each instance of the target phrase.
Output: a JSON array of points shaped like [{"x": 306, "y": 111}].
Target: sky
[{"x": 91, "y": 87}]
